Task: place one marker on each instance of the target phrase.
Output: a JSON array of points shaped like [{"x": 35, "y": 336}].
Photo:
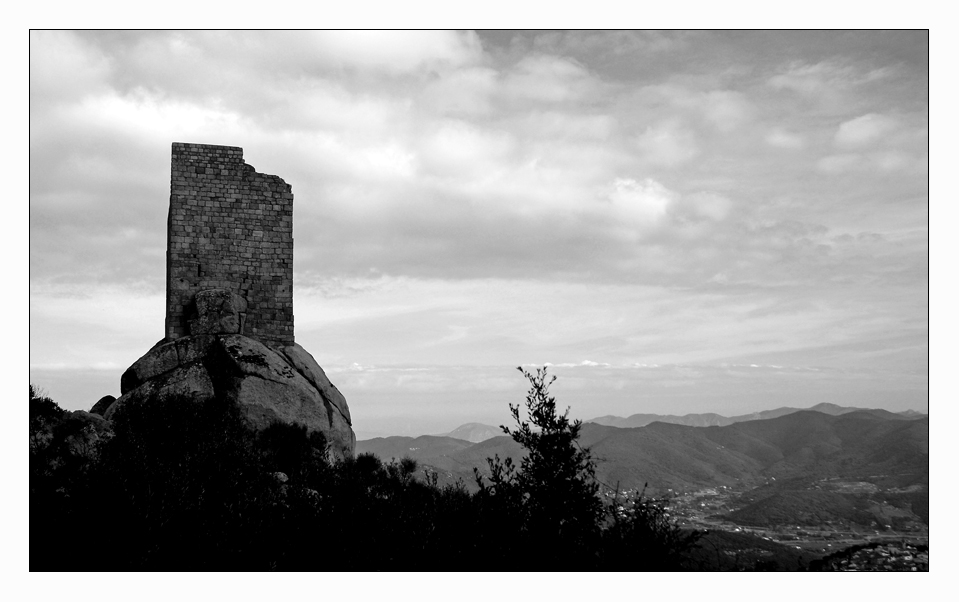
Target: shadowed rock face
[
  {"x": 269, "y": 385},
  {"x": 100, "y": 407}
]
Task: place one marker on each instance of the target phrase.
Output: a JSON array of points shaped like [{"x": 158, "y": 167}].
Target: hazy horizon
[{"x": 678, "y": 222}]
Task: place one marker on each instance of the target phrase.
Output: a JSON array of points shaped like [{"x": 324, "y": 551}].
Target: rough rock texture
[
  {"x": 219, "y": 311},
  {"x": 268, "y": 385},
  {"x": 100, "y": 407},
  {"x": 307, "y": 366}
]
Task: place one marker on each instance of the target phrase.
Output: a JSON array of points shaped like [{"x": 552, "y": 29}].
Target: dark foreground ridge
[{"x": 181, "y": 484}]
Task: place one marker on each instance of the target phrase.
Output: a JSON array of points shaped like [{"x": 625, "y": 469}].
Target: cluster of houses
[{"x": 888, "y": 556}]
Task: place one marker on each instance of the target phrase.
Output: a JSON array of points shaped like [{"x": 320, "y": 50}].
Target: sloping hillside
[
  {"x": 863, "y": 467},
  {"x": 855, "y": 444},
  {"x": 421, "y": 449},
  {"x": 810, "y": 508},
  {"x": 666, "y": 456}
]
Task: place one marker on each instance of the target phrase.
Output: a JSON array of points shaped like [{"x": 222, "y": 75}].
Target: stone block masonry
[{"x": 229, "y": 228}]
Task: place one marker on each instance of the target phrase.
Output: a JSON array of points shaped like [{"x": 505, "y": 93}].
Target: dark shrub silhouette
[
  {"x": 187, "y": 485},
  {"x": 551, "y": 502}
]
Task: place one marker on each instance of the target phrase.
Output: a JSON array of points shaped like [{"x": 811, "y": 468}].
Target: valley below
[{"x": 788, "y": 489}]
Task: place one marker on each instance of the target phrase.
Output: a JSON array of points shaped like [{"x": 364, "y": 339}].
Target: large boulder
[
  {"x": 100, "y": 407},
  {"x": 269, "y": 385}
]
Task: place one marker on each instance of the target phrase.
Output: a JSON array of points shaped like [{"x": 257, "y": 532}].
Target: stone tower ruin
[
  {"x": 229, "y": 247},
  {"x": 229, "y": 304}
]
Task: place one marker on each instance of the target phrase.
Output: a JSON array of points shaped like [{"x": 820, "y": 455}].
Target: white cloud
[
  {"x": 144, "y": 115},
  {"x": 815, "y": 79},
  {"x": 864, "y": 130},
  {"x": 668, "y": 143},
  {"x": 63, "y": 67},
  {"x": 568, "y": 126},
  {"x": 390, "y": 159},
  {"x": 89, "y": 327},
  {"x": 466, "y": 91},
  {"x": 398, "y": 51},
  {"x": 722, "y": 110},
  {"x": 582, "y": 364},
  {"x": 709, "y": 204},
  {"x": 548, "y": 79},
  {"x": 807, "y": 79},
  {"x": 79, "y": 366},
  {"x": 782, "y": 138},
  {"x": 880, "y": 161},
  {"x": 640, "y": 203},
  {"x": 891, "y": 160},
  {"x": 456, "y": 148},
  {"x": 320, "y": 104},
  {"x": 842, "y": 163},
  {"x": 606, "y": 44},
  {"x": 725, "y": 110}
]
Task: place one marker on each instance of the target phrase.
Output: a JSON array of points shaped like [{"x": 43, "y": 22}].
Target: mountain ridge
[
  {"x": 712, "y": 419},
  {"x": 674, "y": 456},
  {"x": 476, "y": 432},
  {"x": 858, "y": 467}
]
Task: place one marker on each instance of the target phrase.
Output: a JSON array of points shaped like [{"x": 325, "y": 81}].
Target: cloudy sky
[{"x": 677, "y": 222}]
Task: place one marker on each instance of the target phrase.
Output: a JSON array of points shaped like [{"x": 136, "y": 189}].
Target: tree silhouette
[{"x": 553, "y": 495}]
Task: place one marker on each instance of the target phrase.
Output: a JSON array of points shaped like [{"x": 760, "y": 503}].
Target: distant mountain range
[
  {"x": 787, "y": 461},
  {"x": 476, "y": 432},
  {"x": 677, "y": 456},
  {"x": 718, "y": 420}
]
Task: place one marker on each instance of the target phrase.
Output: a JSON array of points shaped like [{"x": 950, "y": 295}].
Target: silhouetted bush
[
  {"x": 187, "y": 485},
  {"x": 42, "y": 409},
  {"x": 551, "y": 509},
  {"x": 550, "y": 505},
  {"x": 641, "y": 537}
]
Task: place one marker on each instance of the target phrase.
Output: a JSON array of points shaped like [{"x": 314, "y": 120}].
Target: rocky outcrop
[
  {"x": 268, "y": 385},
  {"x": 83, "y": 432},
  {"x": 307, "y": 366},
  {"x": 100, "y": 407}
]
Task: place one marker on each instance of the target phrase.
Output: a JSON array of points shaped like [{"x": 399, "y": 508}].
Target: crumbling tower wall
[{"x": 229, "y": 234}]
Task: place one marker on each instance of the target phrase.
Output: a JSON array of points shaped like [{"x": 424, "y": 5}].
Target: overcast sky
[{"x": 678, "y": 222}]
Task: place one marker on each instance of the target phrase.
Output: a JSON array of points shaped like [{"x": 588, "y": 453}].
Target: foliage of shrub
[{"x": 552, "y": 501}]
